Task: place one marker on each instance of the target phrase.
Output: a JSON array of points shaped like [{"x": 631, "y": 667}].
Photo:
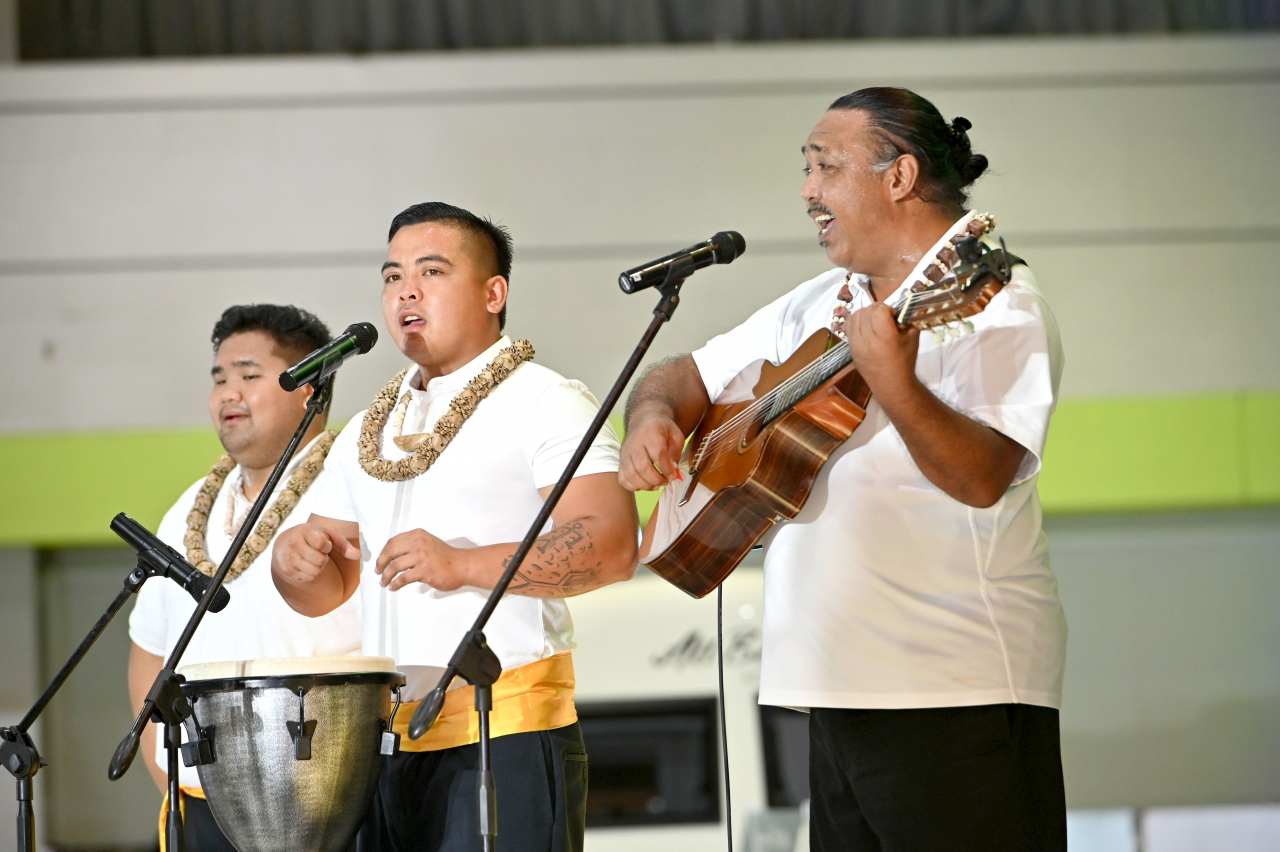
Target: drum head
[{"x": 286, "y": 667}]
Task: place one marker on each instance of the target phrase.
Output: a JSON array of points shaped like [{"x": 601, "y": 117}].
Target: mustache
[{"x": 819, "y": 208}]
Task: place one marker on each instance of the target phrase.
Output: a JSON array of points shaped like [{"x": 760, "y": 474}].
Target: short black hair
[
  {"x": 909, "y": 124},
  {"x": 497, "y": 236},
  {"x": 295, "y": 331}
]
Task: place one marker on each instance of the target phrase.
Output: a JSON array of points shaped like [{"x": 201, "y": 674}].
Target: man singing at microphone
[
  {"x": 432, "y": 489},
  {"x": 255, "y": 418},
  {"x": 909, "y": 605}
]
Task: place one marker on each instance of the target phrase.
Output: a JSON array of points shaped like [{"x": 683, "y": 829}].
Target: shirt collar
[
  {"x": 451, "y": 383},
  {"x": 862, "y": 282}
]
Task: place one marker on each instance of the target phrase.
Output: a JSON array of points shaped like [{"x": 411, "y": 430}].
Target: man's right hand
[
  {"x": 302, "y": 553},
  {"x": 650, "y": 453}
]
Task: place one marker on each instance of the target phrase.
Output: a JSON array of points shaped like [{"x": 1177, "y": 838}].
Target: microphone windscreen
[
  {"x": 364, "y": 334},
  {"x": 200, "y": 587},
  {"x": 729, "y": 244}
]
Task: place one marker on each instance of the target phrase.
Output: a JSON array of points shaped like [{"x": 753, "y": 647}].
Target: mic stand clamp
[
  {"x": 483, "y": 666},
  {"x": 171, "y": 708},
  {"x": 476, "y": 663},
  {"x": 19, "y": 756}
]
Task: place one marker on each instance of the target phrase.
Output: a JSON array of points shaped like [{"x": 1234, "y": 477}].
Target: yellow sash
[{"x": 537, "y": 696}]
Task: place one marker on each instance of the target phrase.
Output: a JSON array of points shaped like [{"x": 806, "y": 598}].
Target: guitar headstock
[{"x": 961, "y": 282}]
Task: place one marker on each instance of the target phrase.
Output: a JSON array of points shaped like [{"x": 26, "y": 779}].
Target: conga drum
[{"x": 295, "y": 747}]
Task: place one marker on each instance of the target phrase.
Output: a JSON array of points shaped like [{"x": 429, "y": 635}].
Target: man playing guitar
[{"x": 909, "y": 605}]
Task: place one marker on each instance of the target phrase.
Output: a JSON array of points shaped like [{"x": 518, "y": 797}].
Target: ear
[
  {"x": 495, "y": 294},
  {"x": 900, "y": 178}
]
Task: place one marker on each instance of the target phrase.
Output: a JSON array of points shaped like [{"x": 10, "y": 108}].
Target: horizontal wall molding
[
  {"x": 627, "y": 252},
  {"x": 1118, "y": 455}
]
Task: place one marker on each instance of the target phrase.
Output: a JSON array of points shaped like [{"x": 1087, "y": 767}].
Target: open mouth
[
  {"x": 231, "y": 418},
  {"x": 824, "y": 221},
  {"x": 412, "y": 322}
]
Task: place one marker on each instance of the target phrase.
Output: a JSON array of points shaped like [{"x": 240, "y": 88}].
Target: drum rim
[{"x": 196, "y": 688}]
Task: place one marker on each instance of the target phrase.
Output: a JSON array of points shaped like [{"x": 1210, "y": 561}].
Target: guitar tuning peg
[
  {"x": 968, "y": 327},
  {"x": 938, "y": 334},
  {"x": 953, "y": 330}
]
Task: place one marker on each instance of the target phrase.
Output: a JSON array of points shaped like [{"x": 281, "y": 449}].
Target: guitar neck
[{"x": 805, "y": 382}]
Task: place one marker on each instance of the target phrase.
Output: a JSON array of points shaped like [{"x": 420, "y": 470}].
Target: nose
[
  {"x": 409, "y": 290},
  {"x": 809, "y": 189}
]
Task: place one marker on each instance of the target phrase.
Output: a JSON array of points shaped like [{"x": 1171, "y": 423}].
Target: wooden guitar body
[{"x": 735, "y": 490}]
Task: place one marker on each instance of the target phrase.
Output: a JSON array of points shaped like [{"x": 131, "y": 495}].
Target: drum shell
[{"x": 265, "y": 799}]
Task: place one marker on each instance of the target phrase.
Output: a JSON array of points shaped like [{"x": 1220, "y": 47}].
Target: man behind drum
[
  {"x": 433, "y": 487},
  {"x": 254, "y": 417}
]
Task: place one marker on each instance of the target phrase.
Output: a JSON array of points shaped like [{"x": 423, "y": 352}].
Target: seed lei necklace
[
  {"x": 268, "y": 523},
  {"x": 934, "y": 271},
  {"x": 427, "y": 447}
]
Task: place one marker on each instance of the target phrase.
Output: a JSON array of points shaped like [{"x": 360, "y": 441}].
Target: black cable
[{"x": 724, "y": 729}]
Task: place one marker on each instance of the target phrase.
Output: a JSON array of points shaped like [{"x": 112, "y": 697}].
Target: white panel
[
  {"x": 1102, "y": 831},
  {"x": 1172, "y": 694},
  {"x": 1235, "y": 829}
]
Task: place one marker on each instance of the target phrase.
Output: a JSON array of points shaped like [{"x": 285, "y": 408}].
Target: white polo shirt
[
  {"x": 884, "y": 592},
  {"x": 257, "y": 623},
  {"x": 483, "y": 489}
]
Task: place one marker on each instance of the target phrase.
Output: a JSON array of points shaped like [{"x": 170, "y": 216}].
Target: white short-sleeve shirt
[
  {"x": 257, "y": 623},
  {"x": 884, "y": 592},
  {"x": 482, "y": 490}
]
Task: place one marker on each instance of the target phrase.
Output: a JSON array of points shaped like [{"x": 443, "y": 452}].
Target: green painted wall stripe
[{"x": 1103, "y": 456}]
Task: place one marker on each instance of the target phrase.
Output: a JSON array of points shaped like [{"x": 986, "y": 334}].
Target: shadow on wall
[{"x": 1222, "y": 756}]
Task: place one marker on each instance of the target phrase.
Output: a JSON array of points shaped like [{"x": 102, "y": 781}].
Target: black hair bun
[
  {"x": 972, "y": 169},
  {"x": 960, "y": 124}
]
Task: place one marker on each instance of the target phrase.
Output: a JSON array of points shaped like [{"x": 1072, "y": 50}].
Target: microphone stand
[
  {"x": 473, "y": 660},
  {"x": 165, "y": 701},
  {"x": 17, "y": 750}
]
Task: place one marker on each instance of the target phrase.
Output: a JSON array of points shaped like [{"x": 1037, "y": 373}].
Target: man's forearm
[
  {"x": 971, "y": 462},
  {"x": 672, "y": 388},
  {"x": 571, "y": 559}
]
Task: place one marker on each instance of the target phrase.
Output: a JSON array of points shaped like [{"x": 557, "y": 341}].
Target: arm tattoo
[{"x": 563, "y": 562}]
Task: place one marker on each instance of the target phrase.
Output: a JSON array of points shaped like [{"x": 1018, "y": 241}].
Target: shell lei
[
  {"x": 941, "y": 264},
  {"x": 461, "y": 407},
  {"x": 272, "y": 517}
]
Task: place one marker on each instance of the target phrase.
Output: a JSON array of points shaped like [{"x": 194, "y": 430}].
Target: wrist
[{"x": 647, "y": 412}]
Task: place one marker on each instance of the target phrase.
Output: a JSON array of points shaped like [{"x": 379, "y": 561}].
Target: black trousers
[
  {"x": 426, "y": 801},
  {"x": 200, "y": 833},
  {"x": 951, "y": 779}
]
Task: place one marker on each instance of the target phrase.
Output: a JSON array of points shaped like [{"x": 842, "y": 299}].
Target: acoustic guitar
[{"x": 752, "y": 460}]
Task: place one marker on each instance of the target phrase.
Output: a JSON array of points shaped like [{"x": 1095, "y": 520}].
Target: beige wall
[{"x": 1137, "y": 175}]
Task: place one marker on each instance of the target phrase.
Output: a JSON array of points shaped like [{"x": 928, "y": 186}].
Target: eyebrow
[
  {"x": 243, "y": 362},
  {"x": 426, "y": 258},
  {"x": 804, "y": 149}
]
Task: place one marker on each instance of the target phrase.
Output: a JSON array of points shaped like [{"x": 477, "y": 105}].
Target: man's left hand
[
  {"x": 884, "y": 356},
  {"x": 417, "y": 556}
]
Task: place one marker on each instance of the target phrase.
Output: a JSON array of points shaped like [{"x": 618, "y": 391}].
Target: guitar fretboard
[{"x": 805, "y": 382}]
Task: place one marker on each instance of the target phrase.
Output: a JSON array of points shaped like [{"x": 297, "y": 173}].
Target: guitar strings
[{"x": 792, "y": 386}]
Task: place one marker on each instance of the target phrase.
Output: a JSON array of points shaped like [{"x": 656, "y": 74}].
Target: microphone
[
  {"x": 167, "y": 561},
  {"x": 325, "y": 361},
  {"x": 724, "y": 247}
]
